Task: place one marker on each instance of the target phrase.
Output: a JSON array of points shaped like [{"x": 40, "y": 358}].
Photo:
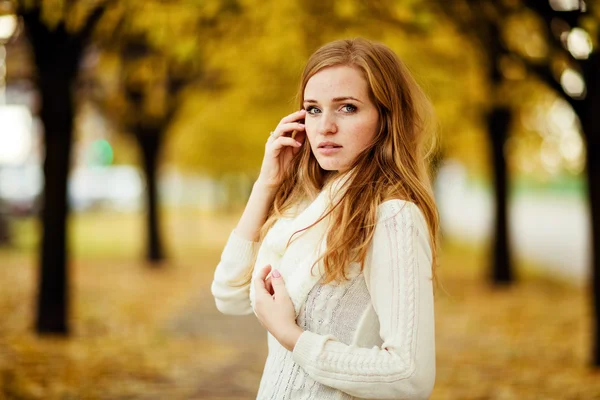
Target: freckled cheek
[
  {"x": 310, "y": 131},
  {"x": 366, "y": 131}
]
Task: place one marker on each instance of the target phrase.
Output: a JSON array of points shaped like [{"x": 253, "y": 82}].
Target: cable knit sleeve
[
  {"x": 398, "y": 275},
  {"x": 236, "y": 259}
]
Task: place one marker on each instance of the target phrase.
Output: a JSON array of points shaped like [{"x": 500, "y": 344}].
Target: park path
[{"x": 243, "y": 335}]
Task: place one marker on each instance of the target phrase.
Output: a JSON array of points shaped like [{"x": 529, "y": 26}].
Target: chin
[
  {"x": 332, "y": 168},
  {"x": 327, "y": 166}
]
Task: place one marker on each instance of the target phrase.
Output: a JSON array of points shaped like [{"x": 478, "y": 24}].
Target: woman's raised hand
[{"x": 280, "y": 149}]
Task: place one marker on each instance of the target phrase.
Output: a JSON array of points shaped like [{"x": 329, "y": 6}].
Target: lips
[{"x": 330, "y": 145}]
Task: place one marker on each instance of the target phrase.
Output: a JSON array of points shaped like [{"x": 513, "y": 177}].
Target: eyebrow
[{"x": 335, "y": 99}]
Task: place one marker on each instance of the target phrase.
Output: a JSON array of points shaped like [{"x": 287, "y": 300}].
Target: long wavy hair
[{"x": 393, "y": 166}]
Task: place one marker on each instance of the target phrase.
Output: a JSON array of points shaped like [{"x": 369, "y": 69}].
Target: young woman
[{"x": 335, "y": 252}]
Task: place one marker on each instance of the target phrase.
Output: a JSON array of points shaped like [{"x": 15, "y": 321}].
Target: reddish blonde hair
[{"x": 393, "y": 166}]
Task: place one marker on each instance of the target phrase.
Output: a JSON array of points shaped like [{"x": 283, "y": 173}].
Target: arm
[
  {"x": 255, "y": 213},
  {"x": 237, "y": 258},
  {"x": 398, "y": 275},
  {"x": 238, "y": 254}
]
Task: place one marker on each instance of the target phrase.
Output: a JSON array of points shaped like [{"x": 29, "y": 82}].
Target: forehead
[{"x": 336, "y": 81}]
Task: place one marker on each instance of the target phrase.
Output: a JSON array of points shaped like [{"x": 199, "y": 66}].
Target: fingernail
[
  {"x": 275, "y": 274},
  {"x": 298, "y": 143},
  {"x": 301, "y": 125}
]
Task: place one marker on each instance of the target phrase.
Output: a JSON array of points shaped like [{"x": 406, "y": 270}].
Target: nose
[{"x": 327, "y": 124}]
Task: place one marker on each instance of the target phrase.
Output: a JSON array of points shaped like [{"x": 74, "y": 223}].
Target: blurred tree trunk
[
  {"x": 152, "y": 77},
  {"x": 498, "y": 129},
  {"x": 147, "y": 128},
  {"x": 587, "y": 109},
  {"x": 56, "y": 54},
  {"x": 57, "y": 116},
  {"x": 478, "y": 21},
  {"x": 56, "y": 59},
  {"x": 150, "y": 140},
  {"x": 4, "y": 227},
  {"x": 589, "y": 115}
]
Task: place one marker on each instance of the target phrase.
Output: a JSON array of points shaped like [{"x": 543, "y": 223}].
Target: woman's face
[{"x": 339, "y": 110}]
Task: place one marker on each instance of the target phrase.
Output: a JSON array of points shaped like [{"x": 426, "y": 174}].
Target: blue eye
[
  {"x": 310, "y": 109},
  {"x": 350, "y": 108}
]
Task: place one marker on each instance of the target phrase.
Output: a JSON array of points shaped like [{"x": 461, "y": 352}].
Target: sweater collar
[
  {"x": 309, "y": 212},
  {"x": 307, "y": 246}
]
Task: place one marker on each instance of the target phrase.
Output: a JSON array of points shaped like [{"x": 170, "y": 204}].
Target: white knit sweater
[{"x": 369, "y": 337}]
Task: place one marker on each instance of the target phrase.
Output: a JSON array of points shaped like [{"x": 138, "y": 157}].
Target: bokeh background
[{"x": 131, "y": 133}]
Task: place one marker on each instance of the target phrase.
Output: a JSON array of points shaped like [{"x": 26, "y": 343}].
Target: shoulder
[
  {"x": 402, "y": 218},
  {"x": 404, "y": 214},
  {"x": 402, "y": 221},
  {"x": 397, "y": 208}
]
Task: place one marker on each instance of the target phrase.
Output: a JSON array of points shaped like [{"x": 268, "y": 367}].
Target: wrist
[
  {"x": 290, "y": 337},
  {"x": 264, "y": 187}
]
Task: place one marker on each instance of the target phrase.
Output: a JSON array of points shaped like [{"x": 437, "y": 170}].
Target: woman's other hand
[
  {"x": 275, "y": 310},
  {"x": 280, "y": 149}
]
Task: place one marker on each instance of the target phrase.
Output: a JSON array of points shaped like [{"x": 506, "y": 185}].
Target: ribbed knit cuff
[
  {"x": 308, "y": 347},
  {"x": 239, "y": 249}
]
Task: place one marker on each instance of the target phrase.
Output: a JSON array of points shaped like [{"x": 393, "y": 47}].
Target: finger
[
  {"x": 278, "y": 283},
  {"x": 269, "y": 285},
  {"x": 264, "y": 271},
  {"x": 259, "y": 281},
  {"x": 259, "y": 285},
  {"x": 282, "y": 129},
  {"x": 284, "y": 141},
  {"x": 299, "y": 136},
  {"x": 293, "y": 116}
]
